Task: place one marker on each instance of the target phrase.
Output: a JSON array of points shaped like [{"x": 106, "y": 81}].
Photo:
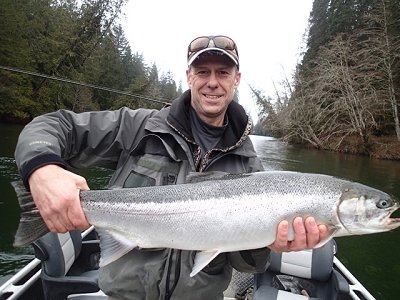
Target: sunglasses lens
[
  {"x": 211, "y": 42},
  {"x": 199, "y": 44},
  {"x": 224, "y": 42}
]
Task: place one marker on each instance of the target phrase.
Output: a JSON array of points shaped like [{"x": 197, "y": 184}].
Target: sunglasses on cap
[{"x": 218, "y": 42}]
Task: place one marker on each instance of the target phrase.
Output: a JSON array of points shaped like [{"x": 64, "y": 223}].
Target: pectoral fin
[
  {"x": 332, "y": 231},
  {"x": 202, "y": 259}
]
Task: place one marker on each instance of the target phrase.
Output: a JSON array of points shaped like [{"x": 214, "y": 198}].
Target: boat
[{"x": 66, "y": 267}]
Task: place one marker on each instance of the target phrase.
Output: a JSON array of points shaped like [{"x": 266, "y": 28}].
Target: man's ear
[
  {"x": 237, "y": 79},
  {"x": 188, "y": 78}
]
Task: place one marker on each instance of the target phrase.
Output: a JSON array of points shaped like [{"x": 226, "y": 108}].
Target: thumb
[{"x": 81, "y": 183}]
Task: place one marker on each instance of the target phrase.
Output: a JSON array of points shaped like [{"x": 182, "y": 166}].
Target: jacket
[{"x": 148, "y": 147}]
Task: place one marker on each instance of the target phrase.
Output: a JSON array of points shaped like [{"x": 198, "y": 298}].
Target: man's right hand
[{"x": 56, "y": 195}]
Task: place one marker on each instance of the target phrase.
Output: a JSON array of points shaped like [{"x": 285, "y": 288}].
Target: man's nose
[{"x": 213, "y": 80}]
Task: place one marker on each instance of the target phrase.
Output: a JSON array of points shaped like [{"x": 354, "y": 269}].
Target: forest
[
  {"x": 81, "y": 41},
  {"x": 344, "y": 95}
]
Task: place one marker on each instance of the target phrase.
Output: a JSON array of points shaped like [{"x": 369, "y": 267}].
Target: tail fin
[{"x": 31, "y": 225}]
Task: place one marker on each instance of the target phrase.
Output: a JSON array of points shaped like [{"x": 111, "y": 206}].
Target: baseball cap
[{"x": 220, "y": 44}]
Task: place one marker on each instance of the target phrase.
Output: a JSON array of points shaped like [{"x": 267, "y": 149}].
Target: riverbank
[{"x": 382, "y": 147}]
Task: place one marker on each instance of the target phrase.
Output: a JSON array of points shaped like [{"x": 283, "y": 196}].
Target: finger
[
  {"x": 78, "y": 218},
  {"x": 56, "y": 225},
  {"x": 76, "y": 214},
  {"x": 81, "y": 183},
  {"x": 60, "y": 228},
  {"x": 323, "y": 232},
  {"x": 50, "y": 225},
  {"x": 54, "y": 218},
  {"x": 61, "y": 220},
  {"x": 300, "y": 237},
  {"x": 282, "y": 233},
  {"x": 313, "y": 234},
  {"x": 280, "y": 243}
]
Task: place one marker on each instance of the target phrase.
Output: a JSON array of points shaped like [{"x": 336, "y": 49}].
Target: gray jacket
[{"x": 147, "y": 147}]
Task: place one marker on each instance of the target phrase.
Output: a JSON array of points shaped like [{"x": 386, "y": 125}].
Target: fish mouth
[{"x": 393, "y": 218}]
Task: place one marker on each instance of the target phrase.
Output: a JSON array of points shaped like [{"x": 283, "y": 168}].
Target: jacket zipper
[
  {"x": 200, "y": 165},
  {"x": 177, "y": 254}
]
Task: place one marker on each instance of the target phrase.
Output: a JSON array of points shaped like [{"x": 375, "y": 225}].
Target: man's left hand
[{"x": 307, "y": 235}]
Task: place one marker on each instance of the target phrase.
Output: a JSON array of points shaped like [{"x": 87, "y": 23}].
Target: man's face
[{"x": 213, "y": 80}]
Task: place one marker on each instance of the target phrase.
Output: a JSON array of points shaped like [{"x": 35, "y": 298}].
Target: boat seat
[
  {"x": 69, "y": 265},
  {"x": 301, "y": 275}
]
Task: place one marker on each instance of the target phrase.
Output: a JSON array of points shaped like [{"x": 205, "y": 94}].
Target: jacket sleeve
[
  {"x": 255, "y": 165},
  {"x": 250, "y": 261},
  {"x": 79, "y": 140}
]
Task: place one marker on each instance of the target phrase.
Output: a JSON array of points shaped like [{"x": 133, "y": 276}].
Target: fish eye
[{"x": 383, "y": 203}]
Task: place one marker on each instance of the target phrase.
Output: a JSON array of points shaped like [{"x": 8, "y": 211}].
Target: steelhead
[{"x": 227, "y": 213}]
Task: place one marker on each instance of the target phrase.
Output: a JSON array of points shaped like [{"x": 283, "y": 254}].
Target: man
[{"x": 202, "y": 130}]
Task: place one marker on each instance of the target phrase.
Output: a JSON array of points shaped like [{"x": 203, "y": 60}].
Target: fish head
[{"x": 364, "y": 210}]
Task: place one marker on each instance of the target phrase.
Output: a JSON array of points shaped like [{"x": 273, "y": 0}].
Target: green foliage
[{"x": 76, "y": 40}]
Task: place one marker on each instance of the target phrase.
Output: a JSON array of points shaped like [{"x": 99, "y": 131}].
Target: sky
[{"x": 269, "y": 35}]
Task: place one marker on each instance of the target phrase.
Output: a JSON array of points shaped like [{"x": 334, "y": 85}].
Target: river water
[{"x": 373, "y": 259}]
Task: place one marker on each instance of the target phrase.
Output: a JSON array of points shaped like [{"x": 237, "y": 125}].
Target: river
[{"x": 373, "y": 259}]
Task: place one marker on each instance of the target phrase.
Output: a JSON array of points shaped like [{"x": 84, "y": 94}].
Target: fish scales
[
  {"x": 229, "y": 213},
  {"x": 207, "y": 215}
]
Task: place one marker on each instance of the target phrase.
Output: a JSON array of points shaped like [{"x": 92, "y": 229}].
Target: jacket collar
[{"x": 237, "y": 131}]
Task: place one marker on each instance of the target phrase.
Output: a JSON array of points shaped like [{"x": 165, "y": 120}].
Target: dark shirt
[{"x": 206, "y": 135}]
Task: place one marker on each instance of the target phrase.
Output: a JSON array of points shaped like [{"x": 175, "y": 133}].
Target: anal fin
[{"x": 202, "y": 259}]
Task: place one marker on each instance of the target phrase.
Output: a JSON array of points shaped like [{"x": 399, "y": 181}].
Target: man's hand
[
  {"x": 56, "y": 195},
  {"x": 306, "y": 235}
]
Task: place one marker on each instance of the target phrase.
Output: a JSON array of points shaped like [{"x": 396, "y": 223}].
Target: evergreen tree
[
  {"x": 318, "y": 28},
  {"x": 75, "y": 40}
]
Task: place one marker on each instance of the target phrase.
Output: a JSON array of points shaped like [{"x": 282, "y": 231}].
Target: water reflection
[
  {"x": 272, "y": 152},
  {"x": 9, "y": 136}
]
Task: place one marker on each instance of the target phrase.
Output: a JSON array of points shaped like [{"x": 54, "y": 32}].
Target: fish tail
[{"x": 31, "y": 225}]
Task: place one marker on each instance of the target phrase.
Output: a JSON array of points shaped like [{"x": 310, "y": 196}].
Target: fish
[{"x": 220, "y": 213}]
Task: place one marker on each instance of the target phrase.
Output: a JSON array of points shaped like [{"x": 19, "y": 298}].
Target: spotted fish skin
[{"x": 224, "y": 214}]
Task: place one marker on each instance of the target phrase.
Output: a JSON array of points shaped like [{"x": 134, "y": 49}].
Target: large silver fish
[{"x": 230, "y": 213}]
